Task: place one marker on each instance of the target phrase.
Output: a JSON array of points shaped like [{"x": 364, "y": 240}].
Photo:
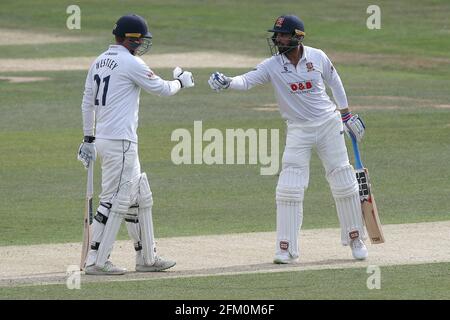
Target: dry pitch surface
[{"x": 231, "y": 254}]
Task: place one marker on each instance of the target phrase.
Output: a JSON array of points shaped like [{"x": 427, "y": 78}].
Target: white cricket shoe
[
  {"x": 284, "y": 258},
  {"x": 359, "y": 249},
  {"x": 109, "y": 269},
  {"x": 159, "y": 265}
]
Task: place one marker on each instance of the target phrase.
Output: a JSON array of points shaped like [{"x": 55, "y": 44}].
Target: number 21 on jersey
[{"x": 105, "y": 88}]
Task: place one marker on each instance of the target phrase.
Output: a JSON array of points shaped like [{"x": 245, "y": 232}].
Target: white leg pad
[
  {"x": 345, "y": 191},
  {"x": 148, "y": 240},
  {"x": 98, "y": 225},
  {"x": 134, "y": 230},
  {"x": 119, "y": 209},
  {"x": 289, "y": 198},
  {"x": 145, "y": 201},
  {"x": 109, "y": 236},
  {"x": 131, "y": 218},
  {"x": 145, "y": 198}
]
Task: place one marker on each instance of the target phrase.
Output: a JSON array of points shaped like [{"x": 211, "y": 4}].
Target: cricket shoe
[
  {"x": 159, "y": 265},
  {"x": 109, "y": 269},
  {"x": 359, "y": 249},
  {"x": 284, "y": 258}
]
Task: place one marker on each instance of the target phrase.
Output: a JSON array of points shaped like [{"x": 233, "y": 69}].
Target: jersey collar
[{"x": 118, "y": 47}]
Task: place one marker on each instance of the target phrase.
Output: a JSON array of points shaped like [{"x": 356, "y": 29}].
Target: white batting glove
[
  {"x": 185, "y": 77},
  {"x": 218, "y": 81},
  {"x": 87, "y": 153},
  {"x": 353, "y": 125}
]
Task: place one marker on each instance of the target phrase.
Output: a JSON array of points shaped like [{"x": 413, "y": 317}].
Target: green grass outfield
[
  {"x": 412, "y": 27},
  {"x": 401, "y": 75},
  {"x": 396, "y": 282},
  {"x": 405, "y": 149}
]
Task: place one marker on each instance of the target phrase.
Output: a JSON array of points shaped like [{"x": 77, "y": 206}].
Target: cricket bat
[
  {"x": 88, "y": 215},
  {"x": 368, "y": 205}
]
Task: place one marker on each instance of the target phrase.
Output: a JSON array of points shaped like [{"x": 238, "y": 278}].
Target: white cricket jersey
[
  {"x": 300, "y": 90},
  {"x": 111, "y": 94}
]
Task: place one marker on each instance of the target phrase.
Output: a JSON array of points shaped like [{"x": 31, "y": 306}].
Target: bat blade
[
  {"x": 86, "y": 233},
  {"x": 88, "y": 217},
  {"x": 372, "y": 220},
  {"x": 369, "y": 208}
]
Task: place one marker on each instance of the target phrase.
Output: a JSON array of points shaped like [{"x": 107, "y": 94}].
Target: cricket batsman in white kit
[
  {"x": 110, "y": 106},
  {"x": 298, "y": 74}
]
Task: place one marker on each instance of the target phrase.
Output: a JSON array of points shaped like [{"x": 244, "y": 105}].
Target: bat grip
[{"x": 358, "y": 163}]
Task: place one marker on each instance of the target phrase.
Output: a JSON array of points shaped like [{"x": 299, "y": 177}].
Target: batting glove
[
  {"x": 353, "y": 125},
  {"x": 185, "y": 77},
  {"x": 87, "y": 151},
  {"x": 218, "y": 81}
]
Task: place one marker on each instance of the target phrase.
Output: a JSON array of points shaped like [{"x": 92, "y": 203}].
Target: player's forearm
[
  {"x": 239, "y": 83},
  {"x": 88, "y": 112},
  {"x": 88, "y": 122},
  {"x": 171, "y": 88},
  {"x": 165, "y": 88},
  {"x": 338, "y": 92}
]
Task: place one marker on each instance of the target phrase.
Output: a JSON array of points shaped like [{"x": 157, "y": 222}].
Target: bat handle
[{"x": 358, "y": 162}]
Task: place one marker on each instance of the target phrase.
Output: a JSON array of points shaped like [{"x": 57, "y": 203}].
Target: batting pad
[
  {"x": 148, "y": 240},
  {"x": 119, "y": 208},
  {"x": 134, "y": 230},
  {"x": 289, "y": 198},
  {"x": 98, "y": 225},
  {"x": 109, "y": 236},
  {"x": 345, "y": 191},
  {"x": 145, "y": 200},
  {"x": 131, "y": 218}
]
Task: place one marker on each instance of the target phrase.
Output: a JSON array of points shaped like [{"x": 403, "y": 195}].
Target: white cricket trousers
[
  {"x": 120, "y": 164},
  {"x": 327, "y": 139}
]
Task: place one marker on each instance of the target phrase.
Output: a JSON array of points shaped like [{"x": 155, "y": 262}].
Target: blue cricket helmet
[
  {"x": 288, "y": 24},
  {"x": 131, "y": 25},
  {"x": 135, "y": 29}
]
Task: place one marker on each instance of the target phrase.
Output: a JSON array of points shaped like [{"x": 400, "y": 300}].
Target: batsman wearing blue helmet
[
  {"x": 110, "y": 107},
  {"x": 299, "y": 75}
]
